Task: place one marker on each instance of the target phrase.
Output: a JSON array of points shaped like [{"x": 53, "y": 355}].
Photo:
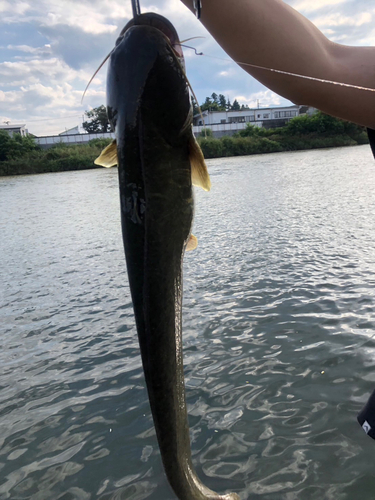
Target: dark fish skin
[{"x": 148, "y": 104}]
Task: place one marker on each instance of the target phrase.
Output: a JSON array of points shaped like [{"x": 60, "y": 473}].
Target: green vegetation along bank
[
  {"x": 302, "y": 132},
  {"x": 20, "y": 155}
]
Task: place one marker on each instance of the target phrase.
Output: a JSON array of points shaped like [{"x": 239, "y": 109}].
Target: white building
[
  {"x": 229, "y": 122},
  {"x": 48, "y": 141},
  {"x": 15, "y": 129},
  {"x": 72, "y": 131}
]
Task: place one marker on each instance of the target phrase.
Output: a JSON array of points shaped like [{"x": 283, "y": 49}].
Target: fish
[{"x": 149, "y": 108}]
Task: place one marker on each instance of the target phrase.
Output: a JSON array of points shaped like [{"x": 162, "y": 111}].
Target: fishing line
[
  {"x": 348, "y": 349},
  {"x": 321, "y": 80},
  {"x": 358, "y": 344},
  {"x": 288, "y": 73}
]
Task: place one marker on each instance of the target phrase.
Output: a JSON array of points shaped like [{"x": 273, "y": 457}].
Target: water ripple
[{"x": 278, "y": 335}]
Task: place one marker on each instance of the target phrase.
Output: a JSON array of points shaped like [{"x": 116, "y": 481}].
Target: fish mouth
[{"x": 161, "y": 24}]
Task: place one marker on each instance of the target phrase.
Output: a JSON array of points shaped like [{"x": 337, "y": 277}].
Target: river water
[{"x": 278, "y": 325}]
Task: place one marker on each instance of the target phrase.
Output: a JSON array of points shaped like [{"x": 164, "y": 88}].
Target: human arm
[{"x": 271, "y": 34}]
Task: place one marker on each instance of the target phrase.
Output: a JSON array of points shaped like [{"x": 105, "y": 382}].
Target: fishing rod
[
  {"x": 136, "y": 10},
  {"x": 198, "y": 8}
]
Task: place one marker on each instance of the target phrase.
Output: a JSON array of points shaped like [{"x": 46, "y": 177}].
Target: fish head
[
  {"x": 160, "y": 23},
  {"x": 146, "y": 78},
  {"x": 147, "y": 84}
]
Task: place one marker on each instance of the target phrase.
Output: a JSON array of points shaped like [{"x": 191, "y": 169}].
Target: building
[
  {"x": 15, "y": 129},
  {"x": 72, "y": 131},
  {"x": 221, "y": 123},
  {"x": 71, "y": 137},
  {"x": 229, "y": 122}
]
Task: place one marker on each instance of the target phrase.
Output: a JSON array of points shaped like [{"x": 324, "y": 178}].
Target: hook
[{"x": 196, "y": 52}]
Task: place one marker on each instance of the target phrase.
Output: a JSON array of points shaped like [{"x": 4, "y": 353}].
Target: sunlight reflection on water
[{"x": 278, "y": 307}]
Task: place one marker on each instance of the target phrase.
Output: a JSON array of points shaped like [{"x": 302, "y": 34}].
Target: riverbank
[
  {"x": 242, "y": 146},
  {"x": 59, "y": 158},
  {"x": 301, "y": 133}
]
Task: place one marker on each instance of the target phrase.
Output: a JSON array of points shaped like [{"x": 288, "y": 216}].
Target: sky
[{"x": 50, "y": 49}]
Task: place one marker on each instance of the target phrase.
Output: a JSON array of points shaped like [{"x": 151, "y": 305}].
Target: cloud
[
  {"x": 15, "y": 9},
  {"x": 263, "y": 99},
  {"x": 30, "y": 71},
  {"x": 76, "y": 47},
  {"x": 51, "y": 108},
  {"x": 307, "y": 6},
  {"x": 49, "y": 49},
  {"x": 24, "y": 48},
  {"x": 342, "y": 21},
  {"x": 334, "y": 20}
]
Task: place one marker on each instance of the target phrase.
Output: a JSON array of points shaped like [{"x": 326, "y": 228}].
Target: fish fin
[
  {"x": 199, "y": 172},
  {"x": 192, "y": 243},
  {"x": 108, "y": 157}
]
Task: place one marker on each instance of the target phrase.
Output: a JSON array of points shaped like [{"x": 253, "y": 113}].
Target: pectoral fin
[
  {"x": 192, "y": 243},
  {"x": 199, "y": 172},
  {"x": 108, "y": 157}
]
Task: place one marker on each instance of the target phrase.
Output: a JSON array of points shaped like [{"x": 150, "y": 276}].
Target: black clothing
[{"x": 371, "y": 136}]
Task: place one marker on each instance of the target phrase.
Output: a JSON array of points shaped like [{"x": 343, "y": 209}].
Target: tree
[
  {"x": 222, "y": 102},
  {"x": 209, "y": 105},
  {"x": 236, "y": 106},
  {"x": 249, "y": 131},
  {"x": 215, "y": 98},
  {"x": 205, "y": 133},
  {"x": 16, "y": 146},
  {"x": 26, "y": 142},
  {"x": 195, "y": 106},
  {"x": 5, "y": 145},
  {"x": 98, "y": 120},
  {"x": 206, "y": 104},
  {"x": 317, "y": 123}
]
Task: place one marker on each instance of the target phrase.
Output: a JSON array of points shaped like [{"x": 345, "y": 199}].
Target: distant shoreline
[
  {"x": 227, "y": 147},
  {"x": 60, "y": 158},
  {"x": 212, "y": 148},
  {"x": 302, "y": 133}
]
